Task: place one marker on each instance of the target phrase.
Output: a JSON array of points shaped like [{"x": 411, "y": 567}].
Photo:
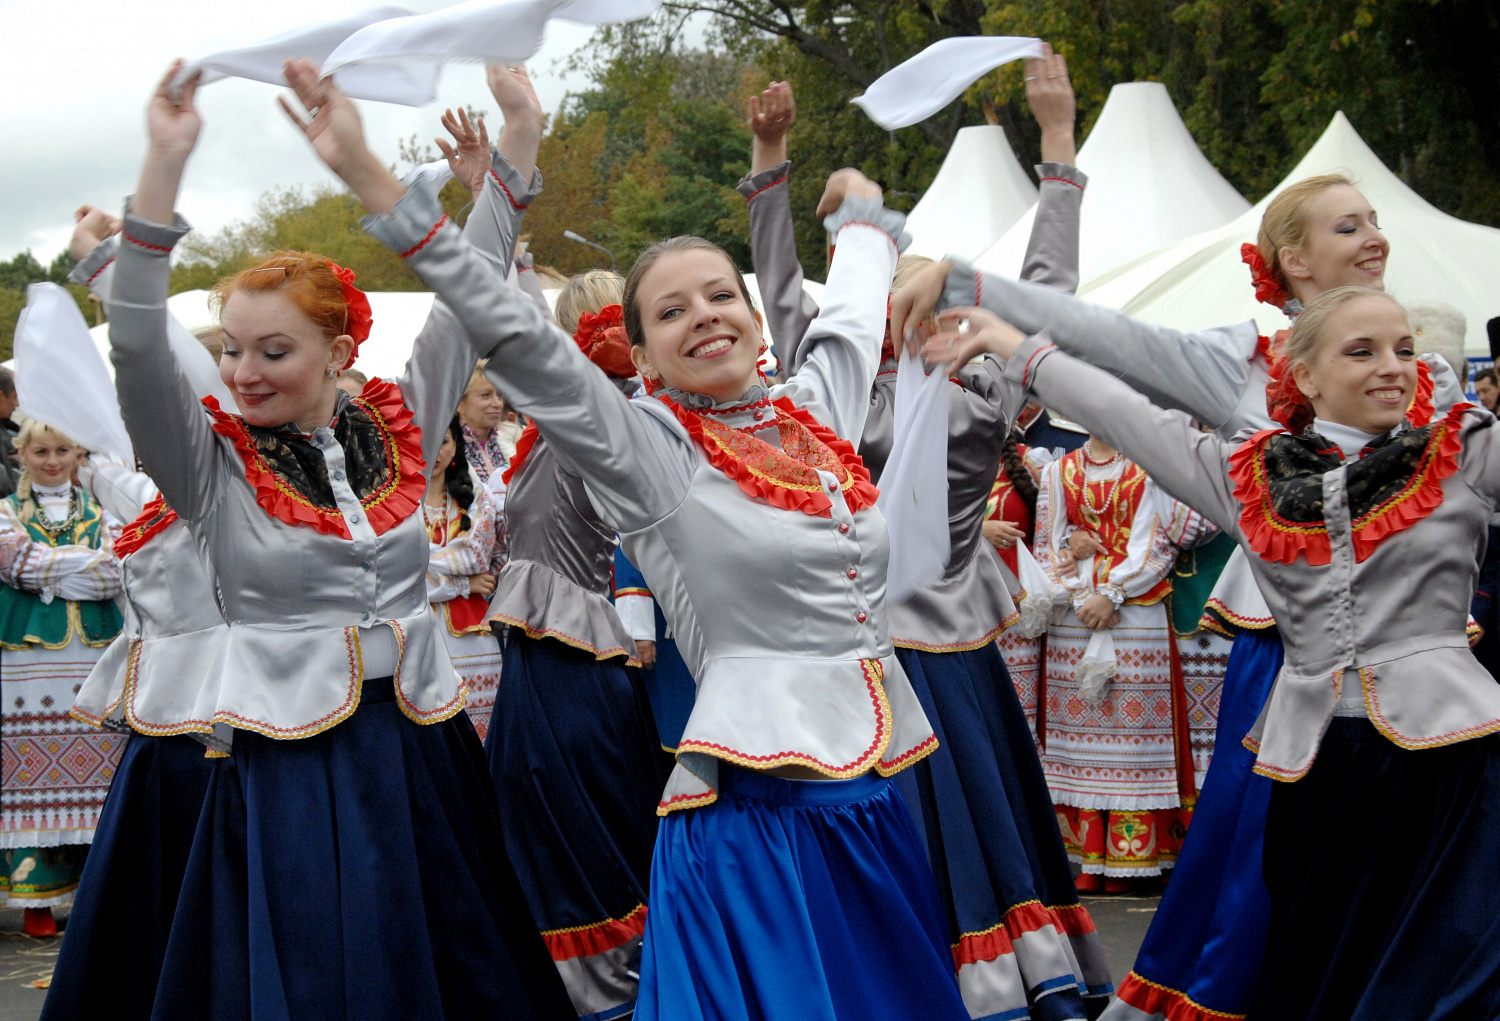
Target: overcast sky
[{"x": 76, "y": 74}]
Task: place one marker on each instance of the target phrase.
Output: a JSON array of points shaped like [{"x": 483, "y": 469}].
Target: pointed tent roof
[
  {"x": 979, "y": 191},
  {"x": 1200, "y": 281},
  {"x": 1149, "y": 185}
]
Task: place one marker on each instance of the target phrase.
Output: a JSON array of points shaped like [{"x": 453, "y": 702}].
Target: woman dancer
[
  {"x": 1317, "y": 234},
  {"x": 573, "y": 745},
  {"x": 1115, "y": 735},
  {"x": 468, "y": 552},
  {"x": 1381, "y": 726},
  {"x": 1020, "y": 937},
  {"x": 349, "y": 860},
  {"x": 770, "y": 895},
  {"x": 57, "y": 615}
]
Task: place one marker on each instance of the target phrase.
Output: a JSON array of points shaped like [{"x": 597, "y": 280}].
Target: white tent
[
  {"x": 397, "y": 318},
  {"x": 1149, "y": 185},
  {"x": 1200, "y": 281},
  {"x": 979, "y": 191}
]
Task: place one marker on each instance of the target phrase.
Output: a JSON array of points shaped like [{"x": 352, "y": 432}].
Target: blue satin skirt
[
  {"x": 579, "y": 769},
  {"x": 111, "y": 957},
  {"x": 795, "y": 899},
  {"x": 1204, "y": 949},
  {"x": 1024, "y": 945},
  {"x": 356, "y": 875}
]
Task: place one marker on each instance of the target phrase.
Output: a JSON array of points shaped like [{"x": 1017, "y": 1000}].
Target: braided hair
[
  {"x": 1016, "y": 470},
  {"x": 456, "y": 479}
]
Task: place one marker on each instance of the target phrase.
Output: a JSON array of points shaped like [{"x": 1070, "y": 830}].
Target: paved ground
[{"x": 1122, "y": 924}]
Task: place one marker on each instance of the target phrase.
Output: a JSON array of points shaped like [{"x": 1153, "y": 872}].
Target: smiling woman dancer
[
  {"x": 348, "y": 861},
  {"x": 1381, "y": 727},
  {"x": 788, "y": 880}
]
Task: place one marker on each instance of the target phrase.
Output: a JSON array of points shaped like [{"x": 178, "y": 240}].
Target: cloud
[{"x": 75, "y": 81}]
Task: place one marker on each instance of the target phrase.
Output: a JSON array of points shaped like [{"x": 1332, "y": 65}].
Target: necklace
[
  {"x": 442, "y": 537},
  {"x": 1088, "y": 504},
  {"x": 67, "y": 523}
]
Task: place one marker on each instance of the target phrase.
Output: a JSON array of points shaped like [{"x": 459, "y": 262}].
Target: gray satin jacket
[
  {"x": 972, "y": 604},
  {"x": 309, "y": 614},
  {"x": 1393, "y": 624},
  {"x": 779, "y": 614},
  {"x": 562, "y": 556}
]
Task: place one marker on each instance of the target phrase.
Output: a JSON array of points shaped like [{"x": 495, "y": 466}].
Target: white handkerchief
[
  {"x": 1037, "y": 599},
  {"x": 1096, "y": 668},
  {"x": 918, "y": 88},
  {"x": 263, "y": 61},
  {"x": 438, "y": 172},
  {"x": 479, "y": 31},
  {"x": 60, "y": 378},
  {"x": 914, "y": 484}
]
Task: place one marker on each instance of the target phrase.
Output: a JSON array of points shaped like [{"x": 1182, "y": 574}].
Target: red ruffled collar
[
  {"x": 1280, "y": 522},
  {"x": 154, "y": 519},
  {"x": 386, "y": 505},
  {"x": 788, "y": 477}
]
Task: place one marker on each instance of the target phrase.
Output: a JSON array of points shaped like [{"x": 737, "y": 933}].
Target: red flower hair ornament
[
  {"x": 1267, "y": 288},
  {"x": 602, "y": 338},
  {"x": 357, "y": 317}
]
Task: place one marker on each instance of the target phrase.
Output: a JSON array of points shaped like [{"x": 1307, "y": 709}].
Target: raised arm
[
  {"x": 773, "y": 245},
  {"x": 841, "y": 351},
  {"x": 157, "y": 400},
  {"x": 1052, "y": 250},
  {"x": 1190, "y": 464}
]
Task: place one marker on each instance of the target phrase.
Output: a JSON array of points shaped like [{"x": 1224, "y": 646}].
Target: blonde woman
[{"x": 59, "y": 572}]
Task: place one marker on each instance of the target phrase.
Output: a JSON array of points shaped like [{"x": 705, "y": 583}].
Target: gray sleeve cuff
[
  {"x": 1064, "y": 173},
  {"x": 414, "y": 222},
  {"x": 963, "y": 287},
  {"x": 1021, "y": 369},
  {"x": 509, "y": 181},
  {"x": 872, "y": 213},
  {"x": 93, "y": 264},
  {"x": 153, "y": 237},
  {"x": 752, "y": 185}
]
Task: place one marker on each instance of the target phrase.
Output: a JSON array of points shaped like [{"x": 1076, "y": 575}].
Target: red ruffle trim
[
  {"x": 591, "y": 940},
  {"x": 999, "y": 940},
  {"x": 154, "y": 519},
  {"x": 385, "y": 509},
  {"x": 1276, "y": 540},
  {"x": 784, "y": 493},
  {"x": 524, "y": 444},
  {"x": 1145, "y": 995},
  {"x": 1422, "y": 408}
]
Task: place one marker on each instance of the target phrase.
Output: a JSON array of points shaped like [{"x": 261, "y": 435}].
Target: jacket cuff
[
  {"x": 964, "y": 287},
  {"x": 94, "y": 263},
  {"x": 414, "y": 222},
  {"x": 508, "y": 179},
  {"x": 152, "y": 238},
  {"x": 1021, "y": 368},
  {"x": 752, "y": 185},
  {"x": 1063, "y": 173},
  {"x": 868, "y": 212}
]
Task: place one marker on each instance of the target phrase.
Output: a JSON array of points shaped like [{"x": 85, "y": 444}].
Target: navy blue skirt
[
  {"x": 1381, "y": 864},
  {"x": 788, "y": 899},
  {"x": 357, "y": 875},
  {"x": 1203, "y": 951},
  {"x": 1024, "y": 945},
  {"x": 575, "y": 757},
  {"x": 117, "y": 930}
]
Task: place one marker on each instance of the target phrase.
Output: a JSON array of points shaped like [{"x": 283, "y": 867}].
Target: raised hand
[
  {"x": 93, "y": 226},
  {"x": 172, "y": 121},
  {"x": 1049, "y": 93},
  {"x": 338, "y": 137},
  {"x": 842, "y": 184},
  {"x": 915, "y": 302},
  {"x": 511, "y": 86},
  {"x": 770, "y": 115},
  {"x": 985, "y": 333},
  {"x": 469, "y": 158}
]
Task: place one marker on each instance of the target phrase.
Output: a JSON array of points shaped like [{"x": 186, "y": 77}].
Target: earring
[{"x": 332, "y": 375}]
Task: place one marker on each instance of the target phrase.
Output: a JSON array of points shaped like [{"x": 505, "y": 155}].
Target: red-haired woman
[{"x": 349, "y": 860}]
